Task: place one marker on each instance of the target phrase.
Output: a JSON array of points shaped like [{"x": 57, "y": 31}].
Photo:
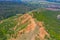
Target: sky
[
  {"x": 29, "y": 0},
  {"x": 10, "y": 0},
  {"x": 33, "y": 0}
]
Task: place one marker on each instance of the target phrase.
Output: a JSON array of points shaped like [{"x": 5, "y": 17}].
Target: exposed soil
[{"x": 32, "y": 30}]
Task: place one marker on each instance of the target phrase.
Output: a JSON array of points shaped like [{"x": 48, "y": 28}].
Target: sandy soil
[
  {"x": 33, "y": 28},
  {"x": 42, "y": 32}
]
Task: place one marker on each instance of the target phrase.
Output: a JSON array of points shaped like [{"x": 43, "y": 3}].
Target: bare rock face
[{"x": 32, "y": 30}]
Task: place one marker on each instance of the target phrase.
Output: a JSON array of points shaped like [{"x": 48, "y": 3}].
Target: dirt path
[{"x": 29, "y": 36}]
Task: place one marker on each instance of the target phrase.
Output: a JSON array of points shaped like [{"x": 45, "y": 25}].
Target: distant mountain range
[{"x": 57, "y": 1}]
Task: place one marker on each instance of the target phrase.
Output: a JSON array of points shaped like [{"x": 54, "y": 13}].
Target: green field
[{"x": 52, "y": 24}]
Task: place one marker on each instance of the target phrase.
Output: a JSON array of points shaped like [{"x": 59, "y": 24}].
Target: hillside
[{"x": 14, "y": 26}]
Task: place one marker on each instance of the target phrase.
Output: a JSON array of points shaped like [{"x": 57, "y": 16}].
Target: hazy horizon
[{"x": 58, "y": 1}]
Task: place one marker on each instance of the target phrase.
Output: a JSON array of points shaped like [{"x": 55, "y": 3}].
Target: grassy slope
[
  {"x": 6, "y": 27},
  {"x": 52, "y": 24},
  {"x": 49, "y": 17}
]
